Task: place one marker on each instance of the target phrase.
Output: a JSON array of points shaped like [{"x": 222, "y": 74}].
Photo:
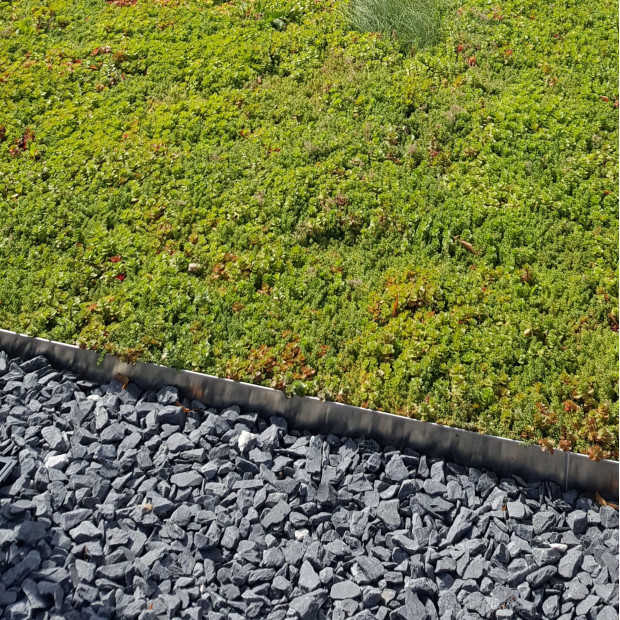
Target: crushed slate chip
[{"x": 131, "y": 504}]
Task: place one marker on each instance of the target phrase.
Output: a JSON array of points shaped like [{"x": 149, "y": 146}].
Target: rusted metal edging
[{"x": 503, "y": 456}]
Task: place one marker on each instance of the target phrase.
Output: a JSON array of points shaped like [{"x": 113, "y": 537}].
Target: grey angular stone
[
  {"x": 230, "y": 537},
  {"x": 543, "y": 556},
  {"x": 611, "y": 563},
  {"x": 607, "y": 613},
  {"x": 551, "y": 606},
  {"x": 541, "y": 576},
  {"x": 35, "y": 600},
  {"x": 345, "y": 590},
  {"x": 587, "y": 604},
  {"x": 307, "y": 605},
  {"x": 516, "y": 510},
  {"x": 281, "y": 585},
  {"x": 170, "y": 415},
  {"x": 570, "y": 563},
  {"x": 117, "y": 571},
  {"x": 55, "y": 438},
  {"x": 71, "y": 519},
  {"x": 475, "y": 569},
  {"x": 525, "y": 609},
  {"x": 277, "y": 515},
  {"x": 423, "y": 470},
  {"x": 114, "y": 433},
  {"x": 371, "y": 567},
  {"x": 182, "y": 515},
  {"x": 15, "y": 574},
  {"x": 373, "y": 464},
  {"x": 396, "y": 469},
  {"x": 609, "y": 517},
  {"x": 577, "y": 521},
  {"x": 433, "y": 487},
  {"x": 543, "y": 521},
  {"x": 187, "y": 479},
  {"x": 486, "y": 483},
  {"x": 445, "y": 565},
  {"x": 575, "y": 591},
  {"x": 85, "y": 531},
  {"x": 461, "y": 525},
  {"x": 308, "y": 579},
  {"x": 387, "y": 511},
  {"x": 423, "y": 585},
  {"x": 269, "y": 438},
  {"x": 101, "y": 418},
  {"x": 314, "y": 456},
  {"x": 168, "y": 395},
  {"x": 177, "y": 442},
  {"x": 31, "y": 532},
  {"x": 477, "y": 602},
  {"x": 414, "y": 608},
  {"x": 160, "y": 506}
]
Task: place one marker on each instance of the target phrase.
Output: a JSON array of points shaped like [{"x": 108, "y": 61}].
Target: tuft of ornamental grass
[{"x": 412, "y": 22}]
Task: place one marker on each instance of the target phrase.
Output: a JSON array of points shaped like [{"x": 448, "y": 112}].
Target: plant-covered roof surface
[{"x": 255, "y": 190}]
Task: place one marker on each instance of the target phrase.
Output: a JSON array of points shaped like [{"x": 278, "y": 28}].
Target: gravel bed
[{"x": 127, "y": 505}]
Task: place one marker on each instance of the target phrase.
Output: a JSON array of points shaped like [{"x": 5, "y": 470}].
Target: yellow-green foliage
[{"x": 324, "y": 183}]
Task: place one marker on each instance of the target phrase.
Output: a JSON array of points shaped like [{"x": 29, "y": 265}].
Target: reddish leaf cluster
[
  {"x": 21, "y": 144},
  {"x": 101, "y": 50}
]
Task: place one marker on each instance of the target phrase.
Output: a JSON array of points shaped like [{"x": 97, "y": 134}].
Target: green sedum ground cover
[{"x": 320, "y": 182}]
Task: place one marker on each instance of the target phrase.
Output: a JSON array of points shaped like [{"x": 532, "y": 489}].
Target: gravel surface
[{"x": 125, "y": 504}]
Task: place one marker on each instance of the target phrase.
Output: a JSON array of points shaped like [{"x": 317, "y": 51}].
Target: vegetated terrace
[{"x": 431, "y": 232}]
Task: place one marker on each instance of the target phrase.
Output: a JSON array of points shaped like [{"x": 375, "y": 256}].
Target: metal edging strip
[{"x": 503, "y": 456}]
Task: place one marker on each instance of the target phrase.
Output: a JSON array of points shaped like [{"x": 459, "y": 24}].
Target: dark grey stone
[
  {"x": 396, "y": 469},
  {"x": 543, "y": 556},
  {"x": 15, "y": 574},
  {"x": 609, "y": 517},
  {"x": 387, "y": 511},
  {"x": 31, "y": 532},
  {"x": 543, "y": 521},
  {"x": 168, "y": 395},
  {"x": 187, "y": 479},
  {"x": 114, "y": 433},
  {"x": 69, "y": 520},
  {"x": 461, "y": 525},
  {"x": 307, "y": 605},
  {"x": 541, "y": 576},
  {"x": 570, "y": 563},
  {"x": 314, "y": 456},
  {"x": 55, "y": 438},
  {"x": 414, "y": 608},
  {"x": 85, "y": 531},
  {"x": 423, "y": 585},
  {"x": 277, "y": 515},
  {"x": 178, "y": 442},
  {"x": 371, "y": 567},
  {"x": 577, "y": 521},
  {"x": 170, "y": 415},
  {"x": 477, "y": 602}
]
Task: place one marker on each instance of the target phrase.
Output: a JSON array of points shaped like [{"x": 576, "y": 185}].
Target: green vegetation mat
[{"x": 253, "y": 190}]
